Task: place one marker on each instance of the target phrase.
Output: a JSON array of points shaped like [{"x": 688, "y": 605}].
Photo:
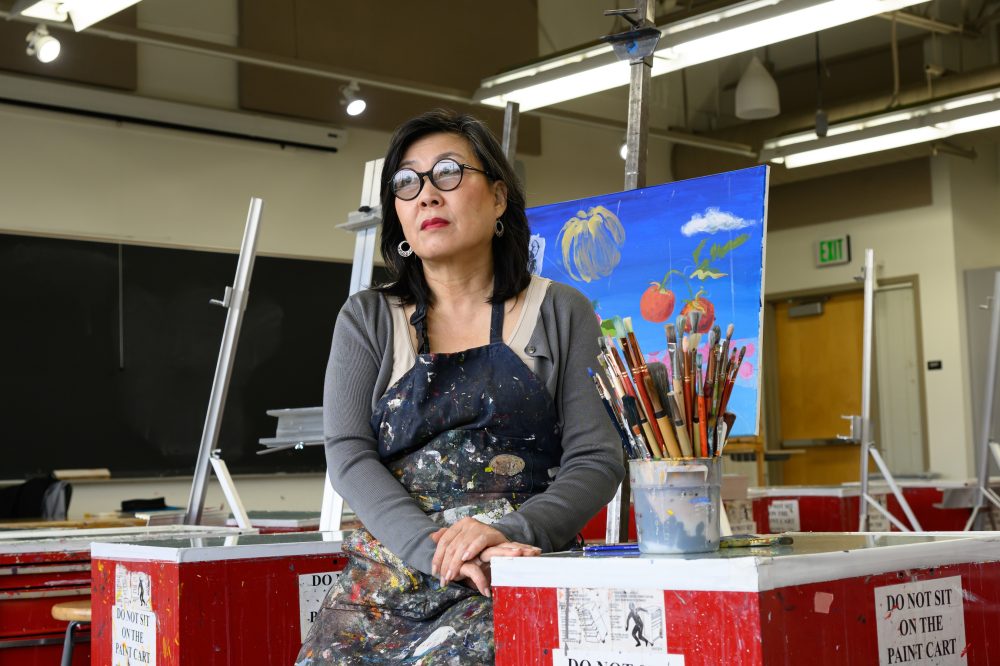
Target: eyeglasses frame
[{"x": 429, "y": 176}]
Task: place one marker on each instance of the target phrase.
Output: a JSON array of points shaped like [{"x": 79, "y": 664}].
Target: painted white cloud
[{"x": 712, "y": 221}]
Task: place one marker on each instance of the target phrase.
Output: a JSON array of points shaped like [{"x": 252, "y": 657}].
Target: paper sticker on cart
[
  {"x": 596, "y": 658},
  {"x": 601, "y": 627},
  {"x": 133, "y": 623},
  {"x": 921, "y": 623}
]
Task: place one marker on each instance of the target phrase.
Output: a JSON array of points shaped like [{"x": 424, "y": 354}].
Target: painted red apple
[
  {"x": 656, "y": 303},
  {"x": 701, "y": 304}
]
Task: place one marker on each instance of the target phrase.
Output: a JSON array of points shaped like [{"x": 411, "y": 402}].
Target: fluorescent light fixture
[
  {"x": 83, "y": 13},
  {"x": 46, "y": 10},
  {"x": 905, "y": 127},
  {"x": 710, "y": 36}
]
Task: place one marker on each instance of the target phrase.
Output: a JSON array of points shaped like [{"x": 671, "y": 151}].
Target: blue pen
[{"x": 611, "y": 548}]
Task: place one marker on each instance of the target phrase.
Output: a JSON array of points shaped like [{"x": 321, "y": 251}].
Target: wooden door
[{"x": 819, "y": 379}]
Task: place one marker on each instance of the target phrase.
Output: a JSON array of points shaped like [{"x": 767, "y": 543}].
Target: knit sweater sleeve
[
  {"x": 356, "y": 376},
  {"x": 591, "y": 468}
]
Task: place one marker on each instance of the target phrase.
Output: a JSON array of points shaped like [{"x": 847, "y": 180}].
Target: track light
[
  {"x": 351, "y": 98},
  {"x": 42, "y": 45}
]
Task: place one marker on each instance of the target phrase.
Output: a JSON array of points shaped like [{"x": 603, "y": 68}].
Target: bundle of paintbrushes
[{"x": 660, "y": 414}]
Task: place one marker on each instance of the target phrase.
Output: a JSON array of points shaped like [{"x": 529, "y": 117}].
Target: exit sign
[{"x": 833, "y": 251}]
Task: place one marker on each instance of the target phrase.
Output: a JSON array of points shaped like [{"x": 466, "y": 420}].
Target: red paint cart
[
  {"x": 40, "y": 568},
  {"x": 779, "y": 509},
  {"x": 239, "y": 601},
  {"x": 942, "y": 504},
  {"x": 828, "y": 599}
]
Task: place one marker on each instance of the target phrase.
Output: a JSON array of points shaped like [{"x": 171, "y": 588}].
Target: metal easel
[
  {"x": 364, "y": 222},
  {"x": 636, "y": 46},
  {"x": 984, "y": 446},
  {"x": 861, "y": 426},
  {"x": 234, "y": 300}
]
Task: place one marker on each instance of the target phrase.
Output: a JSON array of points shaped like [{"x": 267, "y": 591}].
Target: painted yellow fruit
[{"x": 591, "y": 244}]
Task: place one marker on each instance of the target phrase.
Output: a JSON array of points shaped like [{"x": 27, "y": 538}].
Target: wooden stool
[{"x": 77, "y": 613}]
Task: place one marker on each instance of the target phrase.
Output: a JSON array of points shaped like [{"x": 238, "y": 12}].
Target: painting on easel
[{"x": 662, "y": 252}]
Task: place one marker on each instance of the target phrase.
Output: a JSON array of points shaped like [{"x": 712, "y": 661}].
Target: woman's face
[{"x": 439, "y": 225}]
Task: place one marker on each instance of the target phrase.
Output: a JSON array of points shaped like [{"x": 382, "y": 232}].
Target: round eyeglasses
[{"x": 446, "y": 175}]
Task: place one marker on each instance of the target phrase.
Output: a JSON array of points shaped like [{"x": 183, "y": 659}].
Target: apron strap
[
  {"x": 496, "y": 324},
  {"x": 419, "y": 322}
]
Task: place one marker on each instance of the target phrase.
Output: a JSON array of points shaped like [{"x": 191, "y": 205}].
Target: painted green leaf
[
  {"x": 719, "y": 251},
  {"x": 704, "y": 274},
  {"x": 697, "y": 250}
]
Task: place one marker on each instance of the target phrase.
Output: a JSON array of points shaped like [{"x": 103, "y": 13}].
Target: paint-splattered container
[{"x": 677, "y": 504}]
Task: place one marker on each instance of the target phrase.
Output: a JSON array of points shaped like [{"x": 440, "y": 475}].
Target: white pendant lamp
[{"x": 757, "y": 93}]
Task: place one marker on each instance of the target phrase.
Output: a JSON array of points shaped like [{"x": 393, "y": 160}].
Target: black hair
[{"x": 510, "y": 251}]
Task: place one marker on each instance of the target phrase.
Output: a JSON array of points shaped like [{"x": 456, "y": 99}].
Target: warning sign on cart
[
  {"x": 133, "y": 623},
  {"x": 921, "y": 623},
  {"x": 604, "y": 626},
  {"x": 783, "y": 516}
]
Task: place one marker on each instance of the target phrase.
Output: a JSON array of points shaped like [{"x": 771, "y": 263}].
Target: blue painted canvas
[{"x": 655, "y": 253}]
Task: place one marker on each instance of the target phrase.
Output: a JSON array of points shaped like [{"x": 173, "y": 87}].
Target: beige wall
[{"x": 935, "y": 243}]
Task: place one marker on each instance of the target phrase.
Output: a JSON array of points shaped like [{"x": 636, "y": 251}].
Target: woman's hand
[
  {"x": 509, "y": 549},
  {"x": 465, "y": 541},
  {"x": 476, "y": 572}
]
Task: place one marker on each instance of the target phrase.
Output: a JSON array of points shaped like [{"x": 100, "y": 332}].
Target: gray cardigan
[{"x": 564, "y": 342}]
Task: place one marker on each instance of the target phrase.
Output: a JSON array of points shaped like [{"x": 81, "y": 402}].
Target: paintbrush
[
  {"x": 725, "y": 345},
  {"x": 637, "y": 364},
  {"x": 723, "y": 370},
  {"x": 702, "y": 413},
  {"x": 607, "y": 361},
  {"x": 615, "y": 418},
  {"x": 630, "y": 389},
  {"x": 677, "y": 369},
  {"x": 726, "y": 426},
  {"x": 631, "y": 411},
  {"x": 733, "y": 371},
  {"x": 661, "y": 379},
  {"x": 689, "y": 414},
  {"x": 659, "y": 401},
  {"x": 708, "y": 387}
]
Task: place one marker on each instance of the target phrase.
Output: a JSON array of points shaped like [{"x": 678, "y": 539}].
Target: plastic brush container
[{"x": 677, "y": 504}]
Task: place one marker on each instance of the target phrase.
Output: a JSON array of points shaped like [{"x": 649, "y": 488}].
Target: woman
[{"x": 460, "y": 421}]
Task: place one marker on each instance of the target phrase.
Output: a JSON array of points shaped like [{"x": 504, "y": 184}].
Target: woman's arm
[
  {"x": 592, "y": 460},
  {"x": 360, "y": 350}
]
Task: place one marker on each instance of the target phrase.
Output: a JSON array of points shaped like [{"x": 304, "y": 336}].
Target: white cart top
[
  {"x": 70, "y": 540},
  {"x": 812, "y": 558},
  {"x": 218, "y": 548},
  {"x": 812, "y": 491}
]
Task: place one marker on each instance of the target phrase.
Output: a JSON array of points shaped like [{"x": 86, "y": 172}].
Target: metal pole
[
  {"x": 983, "y": 445},
  {"x": 866, "y": 385},
  {"x": 234, "y": 301},
  {"x": 637, "y": 132},
  {"x": 511, "y": 119}
]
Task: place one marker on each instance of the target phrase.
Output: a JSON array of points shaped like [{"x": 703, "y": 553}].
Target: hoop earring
[
  {"x": 404, "y": 251},
  {"x": 499, "y": 229}
]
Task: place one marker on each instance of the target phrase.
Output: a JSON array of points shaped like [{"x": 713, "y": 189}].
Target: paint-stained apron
[{"x": 471, "y": 433}]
